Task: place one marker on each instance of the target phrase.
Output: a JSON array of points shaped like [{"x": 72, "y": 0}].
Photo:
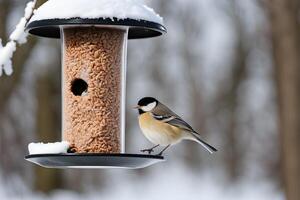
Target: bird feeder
[{"x": 94, "y": 35}]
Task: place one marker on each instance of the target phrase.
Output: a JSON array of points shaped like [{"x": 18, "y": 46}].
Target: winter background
[{"x": 216, "y": 67}]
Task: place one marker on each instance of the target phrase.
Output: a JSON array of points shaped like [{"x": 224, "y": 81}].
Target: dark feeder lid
[
  {"x": 141, "y": 20},
  {"x": 137, "y": 29}
]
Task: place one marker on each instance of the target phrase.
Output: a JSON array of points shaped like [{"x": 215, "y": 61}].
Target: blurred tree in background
[
  {"x": 285, "y": 36},
  {"x": 238, "y": 87}
]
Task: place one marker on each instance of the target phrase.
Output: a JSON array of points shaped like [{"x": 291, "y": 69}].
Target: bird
[{"x": 162, "y": 127}]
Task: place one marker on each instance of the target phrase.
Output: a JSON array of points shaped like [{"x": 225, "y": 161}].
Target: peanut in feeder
[{"x": 94, "y": 37}]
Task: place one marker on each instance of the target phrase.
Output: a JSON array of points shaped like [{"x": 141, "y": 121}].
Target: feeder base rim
[{"x": 94, "y": 160}]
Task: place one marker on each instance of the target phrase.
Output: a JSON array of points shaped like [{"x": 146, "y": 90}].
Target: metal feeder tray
[{"x": 94, "y": 160}]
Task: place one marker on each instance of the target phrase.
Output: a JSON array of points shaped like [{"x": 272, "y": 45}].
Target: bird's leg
[
  {"x": 160, "y": 154},
  {"x": 149, "y": 150}
]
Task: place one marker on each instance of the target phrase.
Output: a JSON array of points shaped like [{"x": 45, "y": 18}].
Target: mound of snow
[
  {"x": 49, "y": 148},
  {"x": 92, "y": 9}
]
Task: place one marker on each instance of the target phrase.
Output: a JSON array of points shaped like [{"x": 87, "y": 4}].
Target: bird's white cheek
[{"x": 149, "y": 107}]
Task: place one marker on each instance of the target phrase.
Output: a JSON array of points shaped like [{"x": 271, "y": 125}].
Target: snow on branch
[{"x": 18, "y": 36}]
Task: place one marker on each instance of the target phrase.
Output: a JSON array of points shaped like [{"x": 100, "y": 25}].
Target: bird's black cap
[{"x": 146, "y": 101}]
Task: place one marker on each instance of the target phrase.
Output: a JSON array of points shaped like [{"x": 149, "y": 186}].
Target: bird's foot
[
  {"x": 161, "y": 153},
  {"x": 149, "y": 151}
]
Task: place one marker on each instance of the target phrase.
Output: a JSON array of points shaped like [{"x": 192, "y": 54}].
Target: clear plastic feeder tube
[{"x": 94, "y": 88}]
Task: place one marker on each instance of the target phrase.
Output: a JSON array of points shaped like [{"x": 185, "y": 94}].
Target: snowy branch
[{"x": 18, "y": 36}]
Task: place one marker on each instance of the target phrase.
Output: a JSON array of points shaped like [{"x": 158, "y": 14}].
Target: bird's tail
[{"x": 208, "y": 147}]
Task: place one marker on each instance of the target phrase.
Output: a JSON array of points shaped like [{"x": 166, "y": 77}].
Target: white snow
[
  {"x": 49, "y": 148},
  {"x": 6, "y": 54},
  {"x": 19, "y": 33},
  {"x": 29, "y": 9},
  {"x": 17, "y": 36},
  {"x": 91, "y": 9}
]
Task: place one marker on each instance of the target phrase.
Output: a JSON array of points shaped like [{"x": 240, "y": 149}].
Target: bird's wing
[
  {"x": 162, "y": 110},
  {"x": 162, "y": 118},
  {"x": 180, "y": 123},
  {"x": 164, "y": 114}
]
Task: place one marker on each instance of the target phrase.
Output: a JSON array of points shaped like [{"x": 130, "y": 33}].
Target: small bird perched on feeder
[{"x": 161, "y": 126}]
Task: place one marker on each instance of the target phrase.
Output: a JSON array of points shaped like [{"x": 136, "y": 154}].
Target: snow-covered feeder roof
[{"x": 142, "y": 21}]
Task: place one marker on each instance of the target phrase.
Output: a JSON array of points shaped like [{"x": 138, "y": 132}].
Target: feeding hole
[{"x": 79, "y": 87}]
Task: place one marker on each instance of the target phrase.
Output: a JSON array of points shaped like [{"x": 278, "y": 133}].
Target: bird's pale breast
[{"x": 159, "y": 132}]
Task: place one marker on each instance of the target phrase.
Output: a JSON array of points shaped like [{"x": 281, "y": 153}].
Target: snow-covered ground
[{"x": 164, "y": 182}]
